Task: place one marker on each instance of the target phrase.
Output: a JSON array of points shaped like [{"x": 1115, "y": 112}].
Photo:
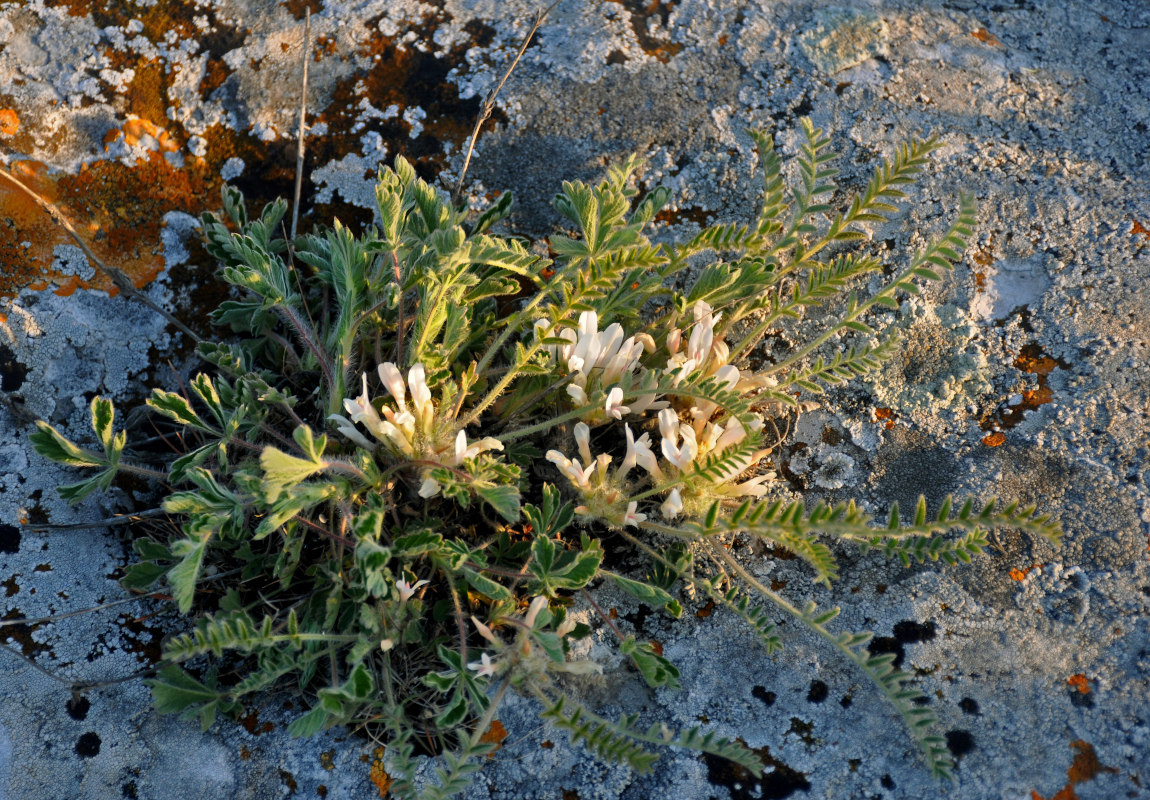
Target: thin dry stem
[
  {"x": 302, "y": 125},
  {"x": 489, "y": 102}
]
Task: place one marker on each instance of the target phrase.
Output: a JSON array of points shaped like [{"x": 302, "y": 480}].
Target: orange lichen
[
  {"x": 495, "y": 734},
  {"x": 985, "y": 36},
  {"x": 706, "y": 610},
  {"x": 9, "y": 122},
  {"x": 1084, "y": 767},
  {"x": 995, "y": 439},
  {"x": 252, "y": 724},
  {"x": 641, "y": 13},
  {"x": 1066, "y": 793},
  {"x": 1137, "y": 227},
  {"x": 378, "y": 776},
  {"x": 118, "y": 208},
  {"x": 885, "y": 416},
  {"x": 1020, "y": 574},
  {"x": 1032, "y": 360},
  {"x": 136, "y": 129},
  {"x": 1080, "y": 682}
]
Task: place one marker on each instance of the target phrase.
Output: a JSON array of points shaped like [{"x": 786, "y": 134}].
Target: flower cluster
[
  {"x": 602, "y": 365},
  {"x": 685, "y": 449},
  {"x": 605, "y": 493},
  {"x": 537, "y": 617},
  {"x": 414, "y": 433},
  {"x": 597, "y": 359}
]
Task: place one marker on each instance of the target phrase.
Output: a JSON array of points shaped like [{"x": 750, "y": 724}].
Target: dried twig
[
  {"x": 489, "y": 102},
  {"x": 302, "y": 126},
  {"x": 118, "y": 276},
  {"x": 110, "y": 522}
]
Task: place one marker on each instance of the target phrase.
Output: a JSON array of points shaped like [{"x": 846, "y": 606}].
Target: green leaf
[
  {"x": 282, "y": 471},
  {"x": 175, "y": 691},
  {"x": 310, "y": 723},
  {"x": 555, "y": 568},
  {"x": 142, "y": 576},
  {"x": 553, "y": 517},
  {"x": 301, "y": 498},
  {"x": 646, "y": 593},
  {"x": 655, "y": 669},
  {"x": 416, "y": 544},
  {"x": 312, "y": 447},
  {"x": 183, "y": 576},
  {"x": 103, "y": 415},
  {"x": 504, "y": 499},
  {"x": 53, "y": 445},
  {"x": 543, "y": 548},
  {"x": 75, "y": 492},
  {"x": 485, "y": 586},
  {"x": 180, "y": 467},
  {"x": 177, "y": 408}
]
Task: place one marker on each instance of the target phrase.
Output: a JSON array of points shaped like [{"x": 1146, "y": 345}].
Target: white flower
[
  {"x": 362, "y": 410},
  {"x": 601, "y": 462},
  {"x": 420, "y": 395},
  {"x": 673, "y": 505},
  {"x": 386, "y": 644},
  {"x": 406, "y": 590},
  {"x": 614, "y": 406},
  {"x": 754, "y": 487},
  {"x": 630, "y": 459},
  {"x": 484, "y": 631},
  {"x": 703, "y": 333},
  {"x": 537, "y": 605},
  {"x": 596, "y": 360},
  {"x": 572, "y": 469},
  {"x": 583, "y": 441},
  {"x": 429, "y": 488},
  {"x": 464, "y": 451},
  {"x": 732, "y": 434},
  {"x": 484, "y": 666},
  {"x": 566, "y": 626},
  {"x": 632, "y": 517},
  {"x": 543, "y": 330},
  {"x": 577, "y": 393},
  {"x": 679, "y": 455},
  {"x": 391, "y": 379},
  {"x": 348, "y": 429}
]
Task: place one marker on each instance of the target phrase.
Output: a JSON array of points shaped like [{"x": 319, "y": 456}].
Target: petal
[
  {"x": 577, "y": 394},
  {"x": 583, "y": 440},
  {"x": 416, "y": 381},
  {"x": 393, "y": 382}
]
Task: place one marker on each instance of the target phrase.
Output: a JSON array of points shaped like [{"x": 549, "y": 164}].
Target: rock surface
[{"x": 1025, "y": 374}]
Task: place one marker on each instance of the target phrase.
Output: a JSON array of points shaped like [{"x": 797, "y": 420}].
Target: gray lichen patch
[
  {"x": 841, "y": 38},
  {"x": 939, "y": 366}
]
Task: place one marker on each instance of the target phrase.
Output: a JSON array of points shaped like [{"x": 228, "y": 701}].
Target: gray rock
[{"x": 1034, "y": 657}]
